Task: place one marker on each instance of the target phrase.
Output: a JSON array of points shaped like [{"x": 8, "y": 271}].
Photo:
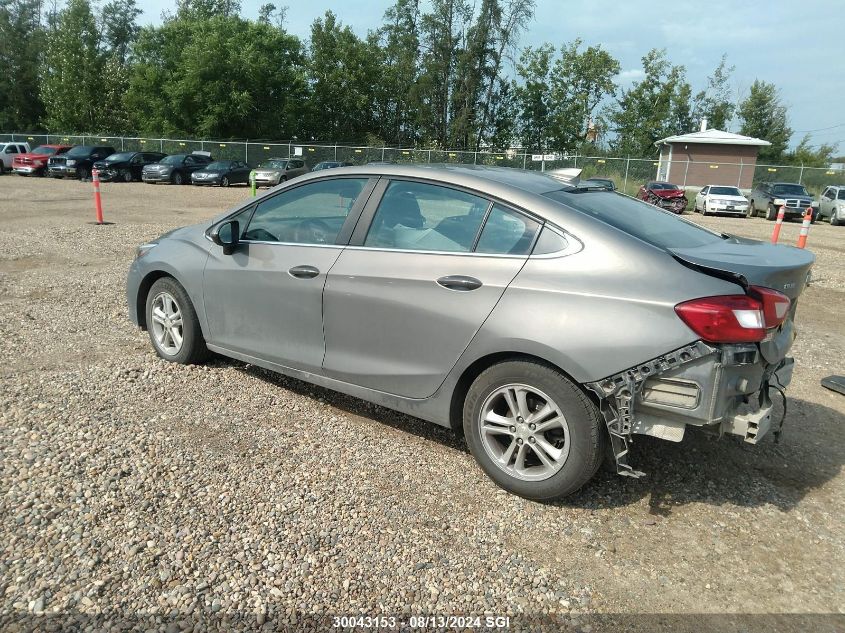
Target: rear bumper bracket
[{"x": 617, "y": 394}]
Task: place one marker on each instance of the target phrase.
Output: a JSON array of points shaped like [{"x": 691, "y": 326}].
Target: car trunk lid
[{"x": 754, "y": 263}]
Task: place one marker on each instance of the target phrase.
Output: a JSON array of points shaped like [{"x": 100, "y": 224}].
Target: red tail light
[
  {"x": 735, "y": 318},
  {"x": 775, "y": 304}
]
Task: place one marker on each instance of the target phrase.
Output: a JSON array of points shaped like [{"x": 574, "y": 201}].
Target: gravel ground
[{"x": 223, "y": 497}]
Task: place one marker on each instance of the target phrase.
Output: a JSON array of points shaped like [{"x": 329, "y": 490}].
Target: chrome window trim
[{"x": 573, "y": 244}]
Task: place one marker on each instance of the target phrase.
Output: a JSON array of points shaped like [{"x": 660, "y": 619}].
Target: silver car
[
  {"x": 274, "y": 171},
  {"x": 832, "y": 204},
  {"x": 550, "y": 323}
]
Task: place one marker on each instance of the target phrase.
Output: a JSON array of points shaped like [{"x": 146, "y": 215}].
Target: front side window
[
  {"x": 419, "y": 216},
  {"x": 841, "y": 195},
  {"x": 310, "y": 214},
  {"x": 11, "y": 149}
]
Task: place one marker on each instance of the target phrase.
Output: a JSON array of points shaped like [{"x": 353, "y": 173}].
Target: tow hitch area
[{"x": 724, "y": 388}]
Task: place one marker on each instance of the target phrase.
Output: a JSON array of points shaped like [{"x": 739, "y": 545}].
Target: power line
[{"x": 819, "y": 129}]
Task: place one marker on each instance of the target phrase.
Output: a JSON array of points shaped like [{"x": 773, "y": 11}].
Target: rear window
[{"x": 646, "y": 222}]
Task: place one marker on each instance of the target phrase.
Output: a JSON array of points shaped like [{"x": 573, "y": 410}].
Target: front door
[
  {"x": 265, "y": 299},
  {"x": 402, "y": 305}
]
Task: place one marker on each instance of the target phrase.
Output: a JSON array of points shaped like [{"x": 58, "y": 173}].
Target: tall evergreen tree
[{"x": 22, "y": 41}]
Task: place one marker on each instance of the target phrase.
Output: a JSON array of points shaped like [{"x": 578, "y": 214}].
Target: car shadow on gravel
[{"x": 702, "y": 469}]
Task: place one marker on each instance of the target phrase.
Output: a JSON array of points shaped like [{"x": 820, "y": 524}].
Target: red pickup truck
[{"x": 35, "y": 162}]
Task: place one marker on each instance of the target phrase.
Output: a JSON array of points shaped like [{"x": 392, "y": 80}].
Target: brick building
[{"x": 708, "y": 157}]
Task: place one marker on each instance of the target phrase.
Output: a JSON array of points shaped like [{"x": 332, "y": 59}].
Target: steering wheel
[{"x": 313, "y": 231}]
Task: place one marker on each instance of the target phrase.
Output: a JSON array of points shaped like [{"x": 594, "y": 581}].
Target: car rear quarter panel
[{"x": 599, "y": 311}]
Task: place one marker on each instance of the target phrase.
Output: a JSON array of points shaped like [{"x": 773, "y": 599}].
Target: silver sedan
[{"x": 547, "y": 322}]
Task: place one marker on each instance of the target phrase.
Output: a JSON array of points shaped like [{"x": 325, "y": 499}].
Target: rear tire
[
  {"x": 173, "y": 325},
  {"x": 553, "y": 456}
]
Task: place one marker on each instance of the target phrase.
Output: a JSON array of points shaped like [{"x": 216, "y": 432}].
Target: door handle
[
  {"x": 303, "y": 272},
  {"x": 460, "y": 283}
]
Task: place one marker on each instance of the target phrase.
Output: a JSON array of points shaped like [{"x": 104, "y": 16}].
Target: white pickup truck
[{"x": 8, "y": 151}]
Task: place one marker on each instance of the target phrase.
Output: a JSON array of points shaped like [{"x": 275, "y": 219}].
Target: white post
[{"x": 627, "y": 164}]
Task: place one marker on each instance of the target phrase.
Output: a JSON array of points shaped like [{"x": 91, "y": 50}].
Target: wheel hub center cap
[{"x": 523, "y": 432}]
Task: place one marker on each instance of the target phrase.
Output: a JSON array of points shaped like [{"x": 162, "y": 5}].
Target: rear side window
[
  {"x": 507, "y": 233},
  {"x": 644, "y": 221},
  {"x": 422, "y": 217}
]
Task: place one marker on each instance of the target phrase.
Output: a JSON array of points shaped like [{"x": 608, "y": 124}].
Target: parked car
[
  {"x": 769, "y": 197},
  {"x": 607, "y": 183},
  {"x": 277, "y": 170},
  {"x": 78, "y": 161},
  {"x": 176, "y": 168},
  {"x": 721, "y": 199},
  {"x": 542, "y": 319},
  {"x": 126, "y": 166},
  {"x": 34, "y": 163},
  {"x": 223, "y": 173},
  {"x": 664, "y": 195},
  {"x": 331, "y": 164},
  {"x": 832, "y": 204},
  {"x": 10, "y": 151}
]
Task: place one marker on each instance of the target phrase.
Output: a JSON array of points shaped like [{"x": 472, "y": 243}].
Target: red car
[
  {"x": 664, "y": 195},
  {"x": 35, "y": 162}
]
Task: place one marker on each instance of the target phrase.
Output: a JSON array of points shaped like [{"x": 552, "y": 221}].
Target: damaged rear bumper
[{"x": 722, "y": 387}]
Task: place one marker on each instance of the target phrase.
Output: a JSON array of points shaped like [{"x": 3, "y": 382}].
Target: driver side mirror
[{"x": 227, "y": 235}]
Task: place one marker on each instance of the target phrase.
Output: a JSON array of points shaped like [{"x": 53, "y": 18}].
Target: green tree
[
  {"x": 343, "y": 71},
  {"x": 218, "y": 76},
  {"x": 533, "y": 96},
  {"x": 397, "y": 94},
  {"x": 580, "y": 82},
  {"x": 22, "y": 41},
  {"x": 71, "y": 82},
  {"x": 811, "y": 156},
  {"x": 653, "y": 108},
  {"x": 762, "y": 115},
  {"x": 715, "y": 103}
]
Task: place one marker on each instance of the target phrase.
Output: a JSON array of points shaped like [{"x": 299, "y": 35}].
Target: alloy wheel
[
  {"x": 167, "y": 323},
  {"x": 524, "y": 432}
]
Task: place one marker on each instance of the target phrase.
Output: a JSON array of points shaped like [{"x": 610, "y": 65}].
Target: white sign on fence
[
  {"x": 297, "y": 151},
  {"x": 536, "y": 158}
]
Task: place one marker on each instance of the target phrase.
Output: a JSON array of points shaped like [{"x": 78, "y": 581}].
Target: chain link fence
[{"x": 628, "y": 173}]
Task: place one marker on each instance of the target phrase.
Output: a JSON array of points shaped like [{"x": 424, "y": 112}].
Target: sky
[{"x": 799, "y": 46}]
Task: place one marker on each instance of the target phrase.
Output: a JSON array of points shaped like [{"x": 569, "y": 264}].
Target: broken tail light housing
[{"x": 735, "y": 318}]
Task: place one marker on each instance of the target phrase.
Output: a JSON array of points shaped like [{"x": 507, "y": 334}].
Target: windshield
[
  {"x": 789, "y": 190},
  {"x": 664, "y": 185},
  {"x": 80, "y": 150},
  {"x": 274, "y": 164},
  {"x": 175, "y": 159},
  {"x": 644, "y": 221},
  {"x": 724, "y": 191},
  {"x": 119, "y": 158},
  {"x": 44, "y": 151},
  {"x": 219, "y": 165}
]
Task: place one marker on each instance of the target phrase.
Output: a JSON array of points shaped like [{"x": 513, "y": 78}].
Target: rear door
[{"x": 425, "y": 267}]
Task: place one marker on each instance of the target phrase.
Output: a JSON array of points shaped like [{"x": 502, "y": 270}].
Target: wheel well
[
  {"x": 472, "y": 372},
  {"x": 143, "y": 291}
]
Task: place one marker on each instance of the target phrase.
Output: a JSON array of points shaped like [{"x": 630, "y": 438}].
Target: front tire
[
  {"x": 224, "y": 181},
  {"x": 833, "y": 220},
  {"x": 752, "y": 212},
  {"x": 532, "y": 431},
  {"x": 771, "y": 212},
  {"x": 176, "y": 178},
  {"x": 173, "y": 325}
]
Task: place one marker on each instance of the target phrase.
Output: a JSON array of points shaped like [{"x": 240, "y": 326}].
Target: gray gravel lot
[{"x": 136, "y": 489}]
